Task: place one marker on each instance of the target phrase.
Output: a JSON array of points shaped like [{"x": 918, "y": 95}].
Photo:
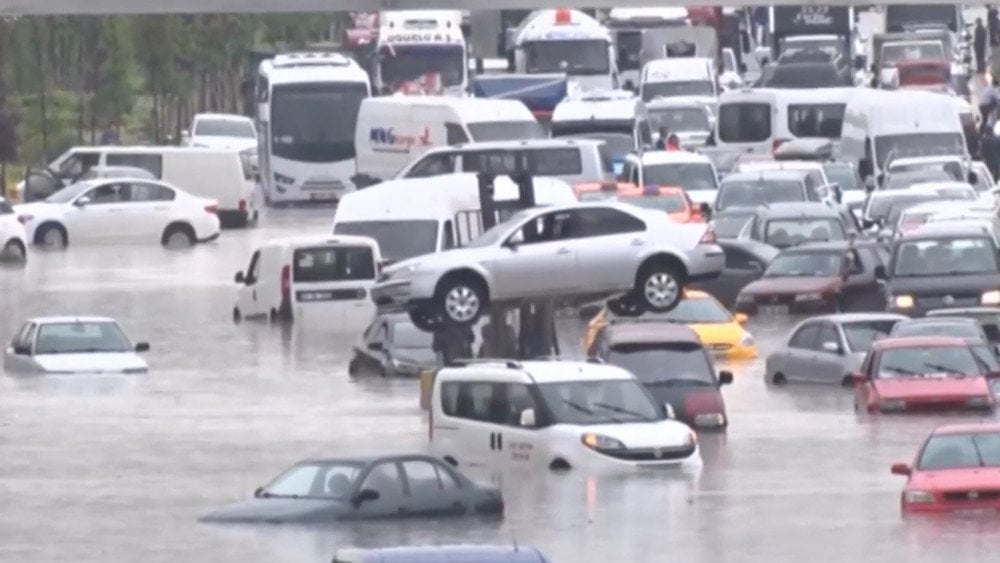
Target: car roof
[
  {"x": 950, "y": 206},
  {"x": 940, "y": 319},
  {"x": 649, "y": 332},
  {"x": 964, "y": 311},
  {"x": 765, "y": 175},
  {"x": 844, "y": 318},
  {"x": 366, "y": 458},
  {"x": 321, "y": 240},
  {"x": 947, "y": 229},
  {"x": 919, "y": 342},
  {"x": 558, "y": 142},
  {"x": 792, "y": 209},
  {"x": 939, "y": 185},
  {"x": 538, "y": 371},
  {"x": 651, "y": 158},
  {"x": 755, "y": 165},
  {"x": 981, "y": 428},
  {"x": 676, "y": 102},
  {"x": 68, "y": 319}
]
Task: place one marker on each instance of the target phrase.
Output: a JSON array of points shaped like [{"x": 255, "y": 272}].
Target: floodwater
[{"x": 119, "y": 468}]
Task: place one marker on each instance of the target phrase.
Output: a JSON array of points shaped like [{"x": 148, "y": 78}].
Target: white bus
[
  {"x": 421, "y": 52},
  {"x": 570, "y": 42},
  {"x": 307, "y": 110}
]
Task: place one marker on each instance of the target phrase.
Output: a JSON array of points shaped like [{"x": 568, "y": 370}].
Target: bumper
[
  {"x": 971, "y": 508},
  {"x": 595, "y": 461},
  {"x": 738, "y": 353},
  {"x": 233, "y": 218},
  {"x": 392, "y": 294},
  {"x": 793, "y": 307},
  {"x": 705, "y": 262}
]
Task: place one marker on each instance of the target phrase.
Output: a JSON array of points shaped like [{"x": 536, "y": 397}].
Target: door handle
[
  {"x": 638, "y": 242},
  {"x": 563, "y": 251},
  {"x": 499, "y": 441},
  {"x": 493, "y": 441}
]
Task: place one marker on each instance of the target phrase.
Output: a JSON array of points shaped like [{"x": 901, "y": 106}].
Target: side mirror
[
  {"x": 831, "y": 347},
  {"x": 900, "y": 469},
  {"x": 741, "y": 318},
  {"x": 82, "y": 201},
  {"x": 528, "y": 418},
  {"x": 973, "y": 178},
  {"x": 22, "y": 350},
  {"x": 376, "y": 346},
  {"x": 142, "y": 347},
  {"x": 706, "y": 210},
  {"x": 725, "y": 377},
  {"x": 669, "y": 409},
  {"x": 880, "y": 273},
  {"x": 514, "y": 242},
  {"x": 365, "y": 495},
  {"x": 239, "y": 278},
  {"x": 858, "y": 378}
]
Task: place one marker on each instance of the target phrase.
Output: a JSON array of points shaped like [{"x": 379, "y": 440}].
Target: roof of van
[
  {"x": 684, "y": 68},
  {"x": 315, "y": 67},
  {"x": 526, "y": 144},
  {"x": 469, "y": 109},
  {"x": 599, "y": 105},
  {"x": 438, "y": 197},
  {"x": 829, "y": 95},
  {"x": 147, "y": 149},
  {"x": 651, "y": 158},
  {"x": 551, "y": 371},
  {"x": 321, "y": 240},
  {"x": 442, "y": 554},
  {"x": 544, "y": 25}
]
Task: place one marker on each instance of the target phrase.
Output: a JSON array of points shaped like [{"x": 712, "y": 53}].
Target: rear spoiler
[{"x": 539, "y": 92}]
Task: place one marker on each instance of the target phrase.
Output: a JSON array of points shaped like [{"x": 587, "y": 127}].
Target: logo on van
[{"x": 388, "y": 138}]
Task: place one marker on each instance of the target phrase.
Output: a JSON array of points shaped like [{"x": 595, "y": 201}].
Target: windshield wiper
[
  {"x": 903, "y": 371},
  {"x": 944, "y": 369},
  {"x": 979, "y": 452},
  {"x": 578, "y": 407},
  {"x": 620, "y": 410}
]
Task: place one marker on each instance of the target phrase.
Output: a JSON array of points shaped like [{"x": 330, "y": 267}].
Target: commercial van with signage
[{"x": 394, "y": 130}]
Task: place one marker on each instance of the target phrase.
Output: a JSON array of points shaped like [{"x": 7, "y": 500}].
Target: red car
[
  {"x": 957, "y": 470},
  {"x": 922, "y": 373}
]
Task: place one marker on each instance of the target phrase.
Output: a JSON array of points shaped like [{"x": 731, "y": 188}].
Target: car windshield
[
  {"x": 397, "y": 240},
  {"x": 946, "y": 256},
  {"x": 843, "y": 175},
  {"x": 652, "y": 90},
  {"x": 69, "y": 193},
  {"x": 889, "y": 146},
  {"x": 957, "y": 451},
  {"x": 334, "y": 480},
  {"x": 897, "y": 52},
  {"x": 731, "y": 225},
  {"x": 900, "y": 180},
  {"x": 816, "y": 120},
  {"x": 405, "y": 335},
  {"x": 702, "y": 310},
  {"x": 938, "y": 328},
  {"x": 225, "y": 128},
  {"x": 790, "y": 46},
  {"x": 506, "y": 130},
  {"x": 691, "y": 176},
  {"x": 664, "y": 364},
  {"x": 861, "y": 335},
  {"x": 679, "y": 120},
  {"x": 879, "y": 207},
  {"x": 805, "y": 264},
  {"x": 752, "y": 192},
  {"x": 586, "y": 402},
  {"x": 575, "y": 57},
  {"x": 782, "y": 233},
  {"x": 80, "y": 337},
  {"x": 671, "y": 203},
  {"x": 927, "y": 361}
]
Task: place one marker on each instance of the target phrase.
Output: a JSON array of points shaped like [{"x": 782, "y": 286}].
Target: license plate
[
  {"x": 976, "y": 512},
  {"x": 773, "y": 309},
  {"x": 321, "y": 196}
]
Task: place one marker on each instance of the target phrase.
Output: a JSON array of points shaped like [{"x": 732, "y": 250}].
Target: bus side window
[
  {"x": 455, "y": 134},
  {"x": 448, "y": 237}
]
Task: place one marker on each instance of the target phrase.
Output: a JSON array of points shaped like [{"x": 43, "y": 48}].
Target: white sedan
[
  {"x": 120, "y": 210},
  {"x": 68, "y": 345},
  {"x": 13, "y": 240}
]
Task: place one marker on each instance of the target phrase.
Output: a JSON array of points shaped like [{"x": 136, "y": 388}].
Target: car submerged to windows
[{"x": 73, "y": 345}]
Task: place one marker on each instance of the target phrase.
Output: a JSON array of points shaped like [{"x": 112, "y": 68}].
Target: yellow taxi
[{"x": 720, "y": 331}]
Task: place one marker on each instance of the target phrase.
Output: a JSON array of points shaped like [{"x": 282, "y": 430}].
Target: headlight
[
  {"x": 893, "y": 405},
  {"x": 991, "y": 297},
  {"x": 978, "y": 402},
  {"x": 808, "y": 297},
  {"x": 918, "y": 497},
  {"x": 747, "y": 340},
  {"x": 903, "y": 301},
  {"x": 691, "y": 439},
  {"x": 601, "y": 442},
  {"x": 281, "y": 178},
  {"x": 710, "y": 420}
]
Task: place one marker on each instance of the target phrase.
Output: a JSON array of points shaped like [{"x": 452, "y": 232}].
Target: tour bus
[
  {"x": 757, "y": 121},
  {"x": 569, "y": 42},
  {"x": 307, "y": 110},
  {"x": 619, "y": 118},
  {"x": 421, "y": 52}
]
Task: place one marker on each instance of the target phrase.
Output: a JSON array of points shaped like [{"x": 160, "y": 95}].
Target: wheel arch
[
  {"x": 664, "y": 256},
  {"x": 463, "y": 272},
  {"x": 181, "y": 224},
  {"x": 47, "y": 224}
]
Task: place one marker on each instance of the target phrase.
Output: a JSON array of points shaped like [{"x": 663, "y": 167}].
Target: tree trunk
[{"x": 42, "y": 102}]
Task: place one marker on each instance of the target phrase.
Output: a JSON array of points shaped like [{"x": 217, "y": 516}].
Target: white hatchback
[
  {"x": 556, "y": 415},
  {"x": 13, "y": 239},
  {"x": 70, "y": 345},
  {"x": 114, "y": 210}
]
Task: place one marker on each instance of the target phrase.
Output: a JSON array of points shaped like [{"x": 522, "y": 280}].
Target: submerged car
[
  {"x": 783, "y": 225},
  {"x": 327, "y": 490},
  {"x": 957, "y": 470},
  {"x": 955, "y": 327},
  {"x": 922, "y": 373},
  {"x": 13, "y": 239},
  {"x": 392, "y": 346},
  {"x": 829, "y": 348},
  {"x": 745, "y": 262},
  {"x": 68, "y": 345}
]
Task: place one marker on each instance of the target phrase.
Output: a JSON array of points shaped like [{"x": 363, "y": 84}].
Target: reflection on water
[{"x": 125, "y": 465}]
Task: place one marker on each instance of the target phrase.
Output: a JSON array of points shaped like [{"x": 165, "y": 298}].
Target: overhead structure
[{"x": 98, "y": 7}]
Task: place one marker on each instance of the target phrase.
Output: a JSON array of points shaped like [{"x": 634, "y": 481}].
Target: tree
[{"x": 115, "y": 94}]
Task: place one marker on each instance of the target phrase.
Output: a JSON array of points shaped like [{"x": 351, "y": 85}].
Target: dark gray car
[
  {"x": 783, "y": 225},
  {"x": 326, "y": 490},
  {"x": 392, "y": 346}
]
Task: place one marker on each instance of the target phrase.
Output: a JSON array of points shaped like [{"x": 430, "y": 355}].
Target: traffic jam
[{"x": 626, "y": 255}]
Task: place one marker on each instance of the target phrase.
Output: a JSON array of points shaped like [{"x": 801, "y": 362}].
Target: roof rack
[{"x": 462, "y": 362}]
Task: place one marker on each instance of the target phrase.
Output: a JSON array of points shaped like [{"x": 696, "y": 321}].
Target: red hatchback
[
  {"x": 957, "y": 470},
  {"x": 922, "y": 373}
]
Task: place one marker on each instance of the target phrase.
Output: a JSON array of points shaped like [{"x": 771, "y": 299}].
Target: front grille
[
  {"x": 323, "y": 185},
  {"x": 936, "y": 406},
  {"x": 938, "y": 301},
  {"x": 652, "y": 454},
  {"x": 972, "y": 496}
]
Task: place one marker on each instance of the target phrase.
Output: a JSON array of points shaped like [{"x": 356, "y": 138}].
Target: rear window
[
  {"x": 816, "y": 120},
  {"x": 328, "y": 264},
  {"x": 745, "y": 122}
]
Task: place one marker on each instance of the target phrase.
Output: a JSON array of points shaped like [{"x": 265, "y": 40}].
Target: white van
[
  {"x": 393, "y": 130},
  {"x": 689, "y": 170},
  {"x": 553, "y": 415},
  {"x": 759, "y": 120},
  {"x": 574, "y": 161},
  {"x": 692, "y": 78},
  {"x": 323, "y": 277},
  {"x": 415, "y": 216},
  {"x": 226, "y": 176},
  {"x": 617, "y": 117},
  {"x": 882, "y": 125}
]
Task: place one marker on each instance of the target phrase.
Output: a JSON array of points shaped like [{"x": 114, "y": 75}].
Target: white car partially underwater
[{"x": 73, "y": 345}]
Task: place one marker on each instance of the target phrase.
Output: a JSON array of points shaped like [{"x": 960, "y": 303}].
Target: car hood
[
  {"x": 932, "y": 388},
  {"x": 662, "y": 433},
  {"x": 790, "y": 284},
  {"x": 964, "y": 479},
  {"x": 100, "y": 362},
  {"x": 945, "y": 283},
  {"x": 276, "y": 510}
]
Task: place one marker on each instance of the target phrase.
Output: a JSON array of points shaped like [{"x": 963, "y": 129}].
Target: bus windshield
[
  {"x": 574, "y": 57},
  {"x": 412, "y": 62},
  {"x": 315, "y": 122}
]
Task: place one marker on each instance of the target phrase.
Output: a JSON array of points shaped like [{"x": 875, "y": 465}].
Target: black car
[
  {"x": 327, "y": 490},
  {"x": 939, "y": 266},
  {"x": 956, "y": 327},
  {"x": 746, "y": 261},
  {"x": 392, "y": 346}
]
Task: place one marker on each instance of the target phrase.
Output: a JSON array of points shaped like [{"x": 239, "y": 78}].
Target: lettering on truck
[
  {"x": 520, "y": 451},
  {"x": 385, "y": 139},
  {"x": 428, "y": 37}
]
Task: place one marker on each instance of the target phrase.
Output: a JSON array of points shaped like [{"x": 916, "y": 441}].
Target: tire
[
  {"x": 14, "y": 251},
  {"x": 625, "y": 306},
  {"x": 461, "y": 300},
  {"x": 779, "y": 379},
  {"x": 425, "y": 320},
  {"x": 51, "y": 235},
  {"x": 659, "y": 286},
  {"x": 178, "y": 236}
]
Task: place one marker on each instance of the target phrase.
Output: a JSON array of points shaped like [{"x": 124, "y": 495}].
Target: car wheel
[
  {"x": 14, "y": 251},
  {"x": 625, "y": 306},
  {"x": 461, "y": 300},
  {"x": 779, "y": 379},
  {"x": 660, "y": 286},
  {"x": 178, "y": 236},
  {"x": 425, "y": 320},
  {"x": 51, "y": 235},
  {"x": 352, "y": 367}
]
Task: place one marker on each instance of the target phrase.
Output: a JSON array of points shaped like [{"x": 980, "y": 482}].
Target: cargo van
[
  {"x": 394, "y": 130},
  {"x": 224, "y": 175},
  {"x": 324, "y": 277},
  {"x": 617, "y": 117},
  {"x": 575, "y": 161},
  {"x": 415, "y": 216},
  {"x": 691, "y": 78}
]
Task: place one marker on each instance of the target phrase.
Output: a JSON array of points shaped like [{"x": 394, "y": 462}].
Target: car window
[
  {"x": 151, "y": 162},
  {"x": 423, "y": 478},
  {"x": 385, "y": 479},
  {"x": 827, "y": 333},
  {"x": 5, "y": 208},
  {"x": 806, "y": 337},
  {"x": 601, "y": 221},
  {"x": 433, "y": 165},
  {"x": 449, "y": 236},
  {"x": 143, "y": 192},
  {"x": 108, "y": 193},
  {"x": 557, "y": 162},
  {"x": 454, "y": 134},
  {"x": 472, "y": 401},
  {"x": 333, "y": 263},
  {"x": 517, "y": 399},
  {"x": 738, "y": 259},
  {"x": 317, "y": 480},
  {"x": 382, "y": 334},
  {"x": 861, "y": 335},
  {"x": 547, "y": 227},
  {"x": 22, "y": 338},
  {"x": 253, "y": 270},
  {"x": 78, "y": 163}
]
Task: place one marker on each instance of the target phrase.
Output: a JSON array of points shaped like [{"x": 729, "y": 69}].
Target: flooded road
[{"x": 119, "y": 468}]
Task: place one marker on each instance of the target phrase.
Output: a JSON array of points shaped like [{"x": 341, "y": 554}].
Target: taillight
[
  {"x": 243, "y": 205},
  {"x": 708, "y": 237},
  {"x": 286, "y": 290},
  {"x": 213, "y": 209}
]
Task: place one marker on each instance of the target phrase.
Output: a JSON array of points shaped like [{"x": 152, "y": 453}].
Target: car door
[
  {"x": 863, "y": 392},
  {"x": 149, "y": 209},
  {"x": 607, "y": 242},
  {"x": 524, "y": 265},
  {"x": 385, "y": 479},
  {"x": 465, "y": 430},
  {"x": 862, "y": 290},
  {"x": 517, "y": 444},
  {"x": 800, "y": 356},
  {"x": 828, "y": 363},
  {"x": 426, "y": 492},
  {"x": 246, "y": 293},
  {"x": 99, "y": 215}
]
